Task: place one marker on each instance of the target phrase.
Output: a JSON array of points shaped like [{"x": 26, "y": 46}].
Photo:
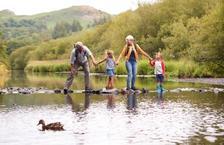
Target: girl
[
  {"x": 159, "y": 70},
  {"x": 110, "y": 67}
]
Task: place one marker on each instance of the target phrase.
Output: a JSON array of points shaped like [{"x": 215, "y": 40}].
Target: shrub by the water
[
  {"x": 48, "y": 66},
  {"x": 179, "y": 68}
]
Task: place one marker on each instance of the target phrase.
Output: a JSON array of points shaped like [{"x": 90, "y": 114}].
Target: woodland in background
[{"x": 189, "y": 34}]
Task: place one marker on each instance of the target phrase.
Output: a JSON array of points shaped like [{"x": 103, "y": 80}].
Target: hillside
[
  {"x": 21, "y": 30},
  {"x": 86, "y": 15},
  {"x": 190, "y": 36},
  {"x": 6, "y": 13}
]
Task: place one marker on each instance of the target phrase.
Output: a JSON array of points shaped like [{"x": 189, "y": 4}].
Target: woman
[{"x": 130, "y": 52}]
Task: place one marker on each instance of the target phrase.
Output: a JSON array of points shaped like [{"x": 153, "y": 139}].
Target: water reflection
[
  {"x": 17, "y": 77},
  {"x": 131, "y": 101},
  {"x": 160, "y": 99},
  {"x": 110, "y": 101},
  {"x": 76, "y": 107},
  {"x": 137, "y": 119}
]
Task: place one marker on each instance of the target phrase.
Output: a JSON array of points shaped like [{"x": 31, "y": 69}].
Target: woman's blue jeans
[{"x": 131, "y": 67}]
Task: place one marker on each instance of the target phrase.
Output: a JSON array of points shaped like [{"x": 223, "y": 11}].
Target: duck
[{"x": 56, "y": 126}]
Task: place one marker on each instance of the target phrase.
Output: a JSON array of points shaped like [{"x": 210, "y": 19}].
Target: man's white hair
[{"x": 79, "y": 43}]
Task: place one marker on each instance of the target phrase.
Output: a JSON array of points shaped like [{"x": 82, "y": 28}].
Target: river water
[{"x": 160, "y": 119}]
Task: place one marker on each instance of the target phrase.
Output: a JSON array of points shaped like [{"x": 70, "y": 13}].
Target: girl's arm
[
  {"x": 93, "y": 59},
  {"x": 163, "y": 67},
  {"x": 101, "y": 61},
  {"x": 152, "y": 63},
  {"x": 143, "y": 52},
  {"x": 121, "y": 54}
]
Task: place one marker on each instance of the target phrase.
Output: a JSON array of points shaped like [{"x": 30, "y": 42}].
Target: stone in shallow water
[
  {"x": 210, "y": 138},
  {"x": 57, "y": 91}
]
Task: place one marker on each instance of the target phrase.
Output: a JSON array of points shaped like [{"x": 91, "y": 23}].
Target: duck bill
[{"x": 38, "y": 124}]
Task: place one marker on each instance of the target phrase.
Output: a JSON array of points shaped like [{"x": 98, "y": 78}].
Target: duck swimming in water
[{"x": 56, "y": 126}]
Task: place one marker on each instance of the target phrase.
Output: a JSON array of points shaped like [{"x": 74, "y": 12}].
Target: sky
[{"x": 30, "y": 7}]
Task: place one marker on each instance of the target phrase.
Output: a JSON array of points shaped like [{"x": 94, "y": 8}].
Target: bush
[
  {"x": 186, "y": 68},
  {"x": 180, "y": 68},
  {"x": 48, "y": 66},
  {"x": 144, "y": 68},
  {"x": 120, "y": 69}
]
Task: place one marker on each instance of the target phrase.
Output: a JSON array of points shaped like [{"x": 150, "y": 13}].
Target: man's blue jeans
[{"x": 131, "y": 67}]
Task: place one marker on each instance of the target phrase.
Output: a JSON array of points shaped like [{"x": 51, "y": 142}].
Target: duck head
[{"x": 41, "y": 122}]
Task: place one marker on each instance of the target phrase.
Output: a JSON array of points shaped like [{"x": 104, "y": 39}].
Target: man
[{"x": 79, "y": 57}]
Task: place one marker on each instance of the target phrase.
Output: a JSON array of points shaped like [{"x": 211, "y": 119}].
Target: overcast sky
[{"x": 29, "y": 7}]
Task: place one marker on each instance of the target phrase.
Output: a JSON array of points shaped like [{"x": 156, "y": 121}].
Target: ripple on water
[{"x": 151, "y": 122}]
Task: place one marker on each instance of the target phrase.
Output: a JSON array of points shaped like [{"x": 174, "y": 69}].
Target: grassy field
[{"x": 181, "y": 68}]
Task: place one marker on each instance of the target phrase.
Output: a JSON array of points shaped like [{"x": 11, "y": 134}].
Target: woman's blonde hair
[{"x": 129, "y": 37}]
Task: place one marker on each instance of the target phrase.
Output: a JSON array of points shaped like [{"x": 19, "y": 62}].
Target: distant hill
[
  {"x": 86, "y": 15},
  {"x": 21, "y": 30},
  {"x": 6, "y": 13}
]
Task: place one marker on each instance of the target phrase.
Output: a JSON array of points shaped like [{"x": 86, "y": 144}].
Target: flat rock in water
[
  {"x": 130, "y": 91},
  {"x": 114, "y": 90}
]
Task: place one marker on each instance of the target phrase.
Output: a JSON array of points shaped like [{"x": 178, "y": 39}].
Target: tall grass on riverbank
[
  {"x": 3, "y": 69},
  {"x": 181, "y": 68},
  {"x": 186, "y": 68},
  {"x": 4, "y": 75},
  {"x": 48, "y": 66}
]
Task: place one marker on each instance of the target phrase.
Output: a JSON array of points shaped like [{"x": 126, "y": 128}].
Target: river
[{"x": 162, "y": 119}]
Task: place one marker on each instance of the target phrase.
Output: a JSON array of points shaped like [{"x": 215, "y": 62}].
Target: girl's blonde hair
[
  {"x": 110, "y": 52},
  {"x": 159, "y": 54}
]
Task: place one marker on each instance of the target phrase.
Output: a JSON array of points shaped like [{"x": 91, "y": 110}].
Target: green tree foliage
[
  {"x": 175, "y": 38},
  {"x": 76, "y": 26},
  {"x": 19, "y": 61},
  {"x": 207, "y": 45},
  {"x": 3, "y": 55},
  {"x": 22, "y": 32},
  {"x": 190, "y": 30},
  {"x": 63, "y": 29}
]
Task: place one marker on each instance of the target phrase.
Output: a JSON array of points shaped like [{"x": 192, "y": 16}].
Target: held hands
[
  {"x": 95, "y": 63},
  {"x": 117, "y": 62},
  {"x": 151, "y": 62}
]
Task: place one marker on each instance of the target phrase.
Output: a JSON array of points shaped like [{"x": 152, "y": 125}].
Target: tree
[
  {"x": 175, "y": 37},
  {"x": 18, "y": 60},
  {"x": 61, "y": 29},
  {"x": 207, "y": 40},
  {"x": 76, "y": 26},
  {"x": 3, "y": 55}
]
